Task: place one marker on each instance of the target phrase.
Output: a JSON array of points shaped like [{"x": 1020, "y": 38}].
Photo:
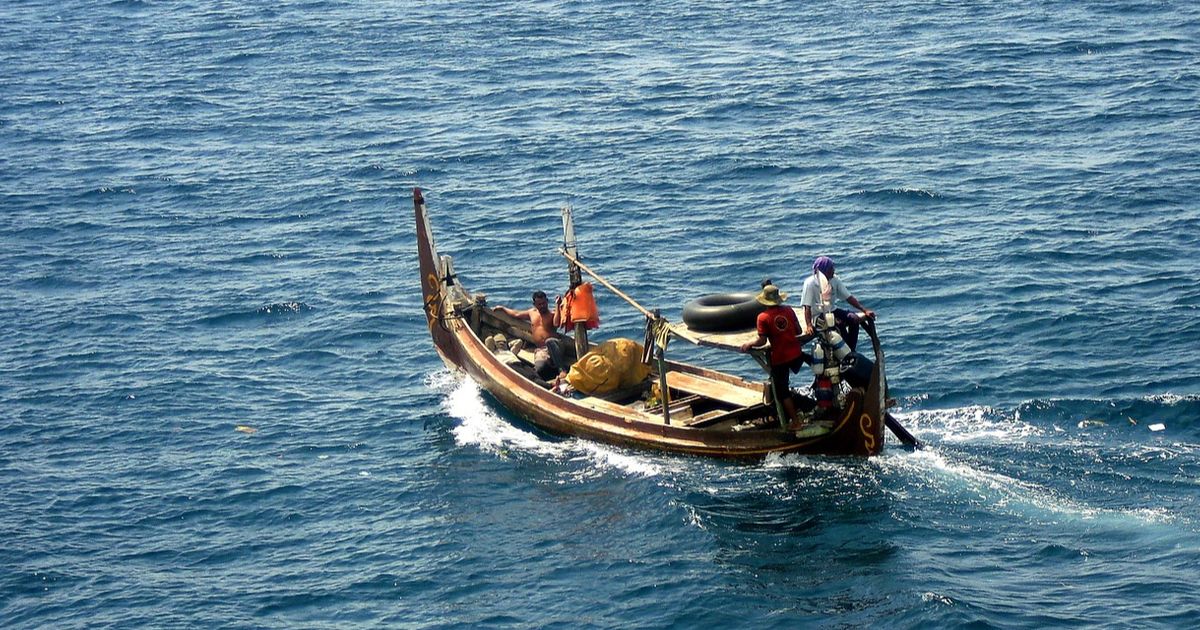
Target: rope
[{"x": 575, "y": 261}]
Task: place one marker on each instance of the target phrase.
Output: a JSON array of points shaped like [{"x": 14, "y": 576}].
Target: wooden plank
[
  {"x": 706, "y": 418},
  {"x": 518, "y": 328},
  {"x": 676, "y": 405},
  {"x": 718, "y": 416},
  {"x": 729, "y": 340},
  {"x": 717, "y": 390},
  {"x": 724, "y": 341},
  {"x": 630, "y": 414}
]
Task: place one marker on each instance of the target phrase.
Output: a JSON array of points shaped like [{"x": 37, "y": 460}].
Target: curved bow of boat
[
  {"x": 435, "y": 276},
  {"x": 709, "y": 413}
]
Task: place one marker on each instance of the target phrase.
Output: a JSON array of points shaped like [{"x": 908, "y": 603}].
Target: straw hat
[{"x": 771, "y": 296}]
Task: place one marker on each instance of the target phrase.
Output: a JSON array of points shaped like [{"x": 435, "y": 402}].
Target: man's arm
[
  {"x": 853, "y": 301},
  {"x": 512, "y": 313},
  {"x": 808, "y": 324},
  {"x": 762, "y": 339}
]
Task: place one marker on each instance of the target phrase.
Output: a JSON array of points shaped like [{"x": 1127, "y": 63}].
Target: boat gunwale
[{"x": 568, "y": 416}]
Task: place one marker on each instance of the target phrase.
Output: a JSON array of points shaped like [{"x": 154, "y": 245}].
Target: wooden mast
[{"x": 576, "y": 277}]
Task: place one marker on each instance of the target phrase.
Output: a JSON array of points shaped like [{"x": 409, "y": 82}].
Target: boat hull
[{"x": 857, "y": 431}]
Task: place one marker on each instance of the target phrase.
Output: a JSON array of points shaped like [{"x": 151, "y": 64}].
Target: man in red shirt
[{"x": 779, "y": 325}]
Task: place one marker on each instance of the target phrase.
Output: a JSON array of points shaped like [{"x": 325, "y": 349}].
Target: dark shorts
[
  {"x": 548, "y": 360},
  {"x": 780, "y": 376},
  {"x": 847, "y": 325}
]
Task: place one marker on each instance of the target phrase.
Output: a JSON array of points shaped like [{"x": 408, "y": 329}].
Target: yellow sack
[{"x": 610, "y": 366}]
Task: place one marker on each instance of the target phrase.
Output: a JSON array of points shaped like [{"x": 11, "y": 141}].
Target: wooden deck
[
  {"x": 727, "y": 340},
  {"x": 717, "y": 390}
]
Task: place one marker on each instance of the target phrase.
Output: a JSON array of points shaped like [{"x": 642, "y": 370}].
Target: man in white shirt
[{"x": 821, "y": 291}]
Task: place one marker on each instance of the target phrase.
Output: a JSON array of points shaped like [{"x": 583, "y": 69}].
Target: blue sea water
[{"x": 219, "y": 405}]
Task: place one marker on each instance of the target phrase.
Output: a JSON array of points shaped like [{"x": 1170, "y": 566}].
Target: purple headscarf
[{"x": 824, "y": 264}]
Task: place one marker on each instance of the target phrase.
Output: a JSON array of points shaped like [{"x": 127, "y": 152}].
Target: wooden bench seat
[{"x": 737, "y": 395}]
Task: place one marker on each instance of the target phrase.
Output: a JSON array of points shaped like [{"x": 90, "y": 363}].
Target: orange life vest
[{"x": 579, "y": 306}]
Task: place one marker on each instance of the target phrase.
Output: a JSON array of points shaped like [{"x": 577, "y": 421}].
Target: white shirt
[{"x": 812, "y": 294}]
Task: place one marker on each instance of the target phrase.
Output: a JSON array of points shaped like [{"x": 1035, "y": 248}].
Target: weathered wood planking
[{"x": 717, "y": 390}]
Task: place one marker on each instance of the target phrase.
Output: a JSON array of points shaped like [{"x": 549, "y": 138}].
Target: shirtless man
[{"x": 548, "y": 358}]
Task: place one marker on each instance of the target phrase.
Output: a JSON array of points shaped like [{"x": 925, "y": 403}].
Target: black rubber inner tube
[{"x": 722, "y": 312}]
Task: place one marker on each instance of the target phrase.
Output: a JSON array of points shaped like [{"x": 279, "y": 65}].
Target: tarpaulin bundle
[{"x": 610, "y": 366}]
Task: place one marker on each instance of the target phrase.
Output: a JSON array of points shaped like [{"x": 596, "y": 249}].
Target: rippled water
[{"x": 221, "y": 407}]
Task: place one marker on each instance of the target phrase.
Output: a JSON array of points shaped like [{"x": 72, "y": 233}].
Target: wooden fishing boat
[{"x": 705, "y": 412}]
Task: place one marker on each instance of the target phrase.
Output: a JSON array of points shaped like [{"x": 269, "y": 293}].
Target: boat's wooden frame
[{"x": 456, "y": 318}]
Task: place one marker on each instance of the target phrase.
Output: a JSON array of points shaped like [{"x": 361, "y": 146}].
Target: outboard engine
[{"x": 857, "y": 370}]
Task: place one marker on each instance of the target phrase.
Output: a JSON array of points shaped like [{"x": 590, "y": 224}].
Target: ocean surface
[{"x": 220, "y": 407}]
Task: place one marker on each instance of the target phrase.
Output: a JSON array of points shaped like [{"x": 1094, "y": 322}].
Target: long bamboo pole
[
  {"x": 569, "y": 244},
  {"x": 607, "y": 284},
  {"x": 678, "y": 332}
]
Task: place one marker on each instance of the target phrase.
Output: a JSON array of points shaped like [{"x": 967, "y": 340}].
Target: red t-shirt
[{"x": 780, "y": 325}]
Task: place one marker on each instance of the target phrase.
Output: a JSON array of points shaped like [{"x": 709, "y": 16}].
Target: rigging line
[
  {"x": 606, "y": 283},
  {"x": 682, "y": 333}
]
